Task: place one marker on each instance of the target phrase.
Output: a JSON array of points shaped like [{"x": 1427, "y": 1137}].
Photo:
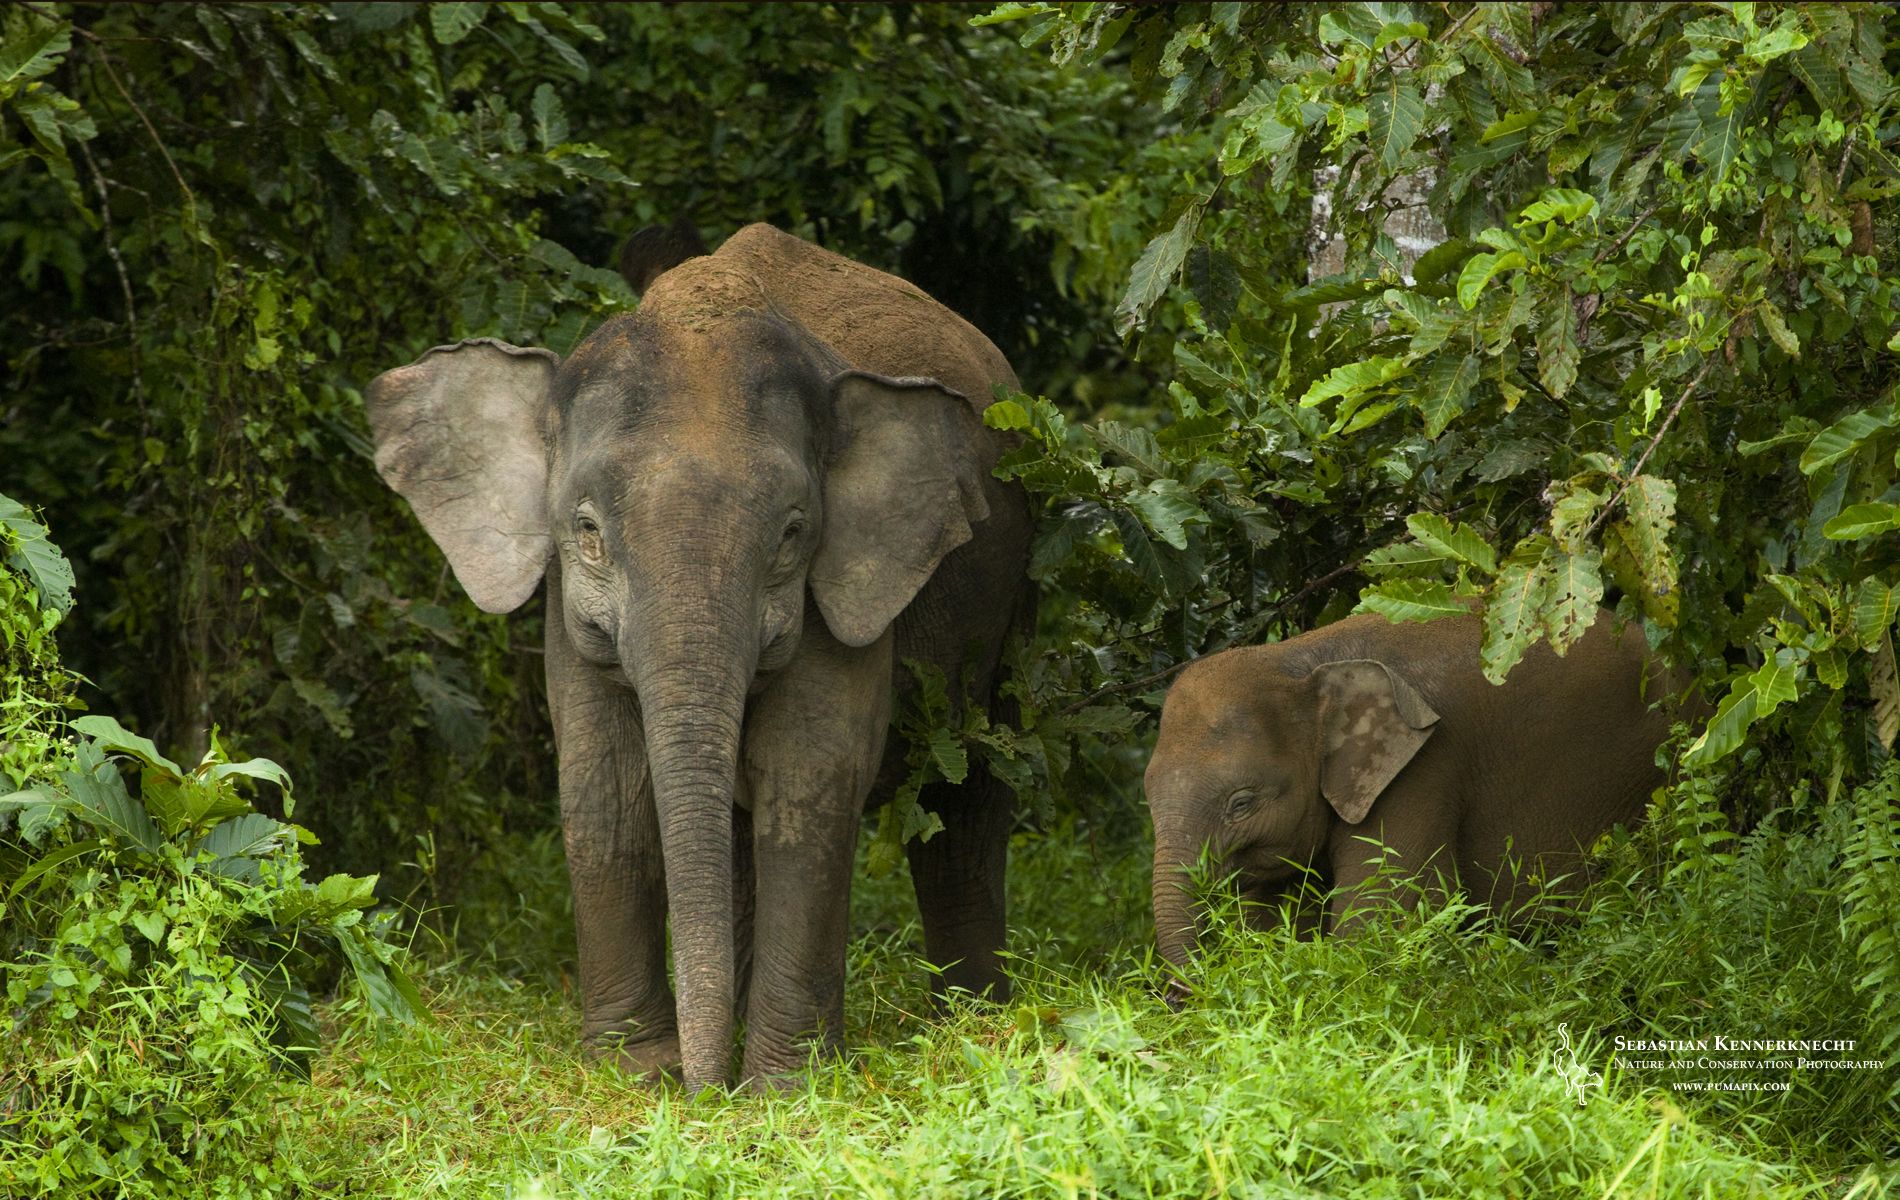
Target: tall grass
[{"x": 1420, "y": 1059}]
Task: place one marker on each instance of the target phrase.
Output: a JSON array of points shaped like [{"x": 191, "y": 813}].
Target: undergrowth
[{"x": 1423, "y": 1058}]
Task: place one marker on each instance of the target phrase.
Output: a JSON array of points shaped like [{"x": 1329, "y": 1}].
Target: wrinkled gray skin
[
  {"x": 1276, "y": 758},
  {"x": 749, "y": 501}
]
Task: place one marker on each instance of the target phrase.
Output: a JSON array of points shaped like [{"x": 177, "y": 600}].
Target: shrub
[{"x": 155, "y": 945}]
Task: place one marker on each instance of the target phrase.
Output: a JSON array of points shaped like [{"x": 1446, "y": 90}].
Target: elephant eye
[
  {"x": 792, "y": 531},
  {"x": 1241, "y": 803},
  {"x": 591, "y": 548}
]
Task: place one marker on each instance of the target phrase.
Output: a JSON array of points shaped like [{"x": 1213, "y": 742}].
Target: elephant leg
[
  {"x": 958, "y": 876},
  {"x": 813, "y": 742},
  {"x": 613, "y": 860},
  {"x": 1291, "y": 904},
  {"x": 1399, "y": 858}
]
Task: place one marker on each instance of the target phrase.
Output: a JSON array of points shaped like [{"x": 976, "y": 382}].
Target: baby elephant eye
[
  {"x": 1241, "y": 803},
  {"x": 792, "y": 532},
  {"x": 589, "y": 526}
]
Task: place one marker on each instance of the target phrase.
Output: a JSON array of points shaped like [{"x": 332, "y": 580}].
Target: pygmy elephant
[
  {"x": 750, "y": 500},
  {"x": 1366, "y": 744}
]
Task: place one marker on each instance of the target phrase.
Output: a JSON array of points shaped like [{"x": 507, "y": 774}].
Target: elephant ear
[
  {"x": 904, "y": 486},
  {"x": 458, "y": 435},
  {"x": 1371, "y": 723}
]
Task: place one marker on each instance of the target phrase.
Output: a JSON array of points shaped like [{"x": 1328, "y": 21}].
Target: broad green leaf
[
  {"x": 1830, "y": 667},
  {"x": 113, "y": 736},
  {"x": 1513, "y": 614},
  {"x": 1479, "y": 270},
  {"x": 1651, "y": 503},
  {"x": 1576, "y": 592},
  {"x": 1845, "y": 436},
  {"x": 37, "y": 557},
  {"x": 1862, "y": 520},
  {"x": 387, "y": 998},
  {"x": 1437, "y": 262},
  {"x": 340, "y": 893},
  {"x": 1394, "y": 31},
  {"x": 254, "y": 768},
  {"x": 1875, "y": 606},
  {"x": 1557, "y": 351},
  {"x": 946, "y": 750},
  {"x": 1168, "y": 509},
  {"x": 1155, "y": 270},
  {"x": 1777, "y": 327},
  {"x": 1461, "y": 542},
  {"x": 1511, "y": 458},
  {"x": 1006, "y": 414},
  {"x": 1445, "y": 390},
  {"x": 1798, "y": 429},
  {"x": 1567, "y": 205},
  {"x": 30, "y": 55},
  {"x": 1509, "y": 124},
  {"x": 151, "y": 924},
  {"x": 550, "y": 119},
  {"x": 1353, "y": 379},
  {"x": 1402, "y": 556},
  {"x": 1135, "y": 445},
  {"x": 1412, "y": 600},
  {"x": 1775, "y": 682},
  {"x": 98, "y": 792},
  {"x": 1394, "y": 117},
  {"x": 1728, "y": 728},
  {"x": 453, "y": 22},
  {"x": 1572, "y": 512},
  {"x": 180, "y": 805},
  {"x": 251, "y": 835}
]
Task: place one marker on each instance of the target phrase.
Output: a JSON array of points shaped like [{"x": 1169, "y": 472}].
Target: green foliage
[
  {"x": 156, "y": 949},
  {"x": 34, "y": 688},
  {"x": 1871, "y": 892},
  {"x": 1419, "y": 1058},
  {"x": 1645, "y": 363},
  {"x": 221, "y": 222}
]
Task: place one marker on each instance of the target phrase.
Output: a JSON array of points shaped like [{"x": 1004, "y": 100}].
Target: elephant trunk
[
  {"x": 1177, "y": 920},
  {"x": 692, "y": 678}
]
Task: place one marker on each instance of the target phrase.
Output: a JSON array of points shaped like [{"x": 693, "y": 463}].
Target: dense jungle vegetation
[{"x": 1645, "y": 355}]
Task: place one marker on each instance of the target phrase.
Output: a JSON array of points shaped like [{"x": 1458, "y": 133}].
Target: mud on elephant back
[{"x": 748, "y": 502}]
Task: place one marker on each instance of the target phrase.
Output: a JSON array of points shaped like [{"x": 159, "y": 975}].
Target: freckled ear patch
[{"x": 1372, "y": 722}]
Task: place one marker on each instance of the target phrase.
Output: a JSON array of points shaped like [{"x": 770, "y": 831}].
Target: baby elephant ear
[
  {"x": 1371, "y": 723},
  {"x": 904, "y": 486},
  {"x": 458, "y": 435}
]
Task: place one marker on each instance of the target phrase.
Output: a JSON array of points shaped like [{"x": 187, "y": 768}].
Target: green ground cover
[{"x": 1420, "y": 1060}]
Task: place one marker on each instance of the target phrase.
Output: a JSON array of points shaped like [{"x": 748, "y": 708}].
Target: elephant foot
[{"x": 654, "y": 1060}]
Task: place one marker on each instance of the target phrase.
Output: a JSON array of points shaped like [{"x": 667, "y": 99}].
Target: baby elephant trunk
[{"x": 1177, "y": 916}]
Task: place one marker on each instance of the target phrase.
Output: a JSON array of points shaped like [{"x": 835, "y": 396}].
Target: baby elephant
[{"x": 1320, "y": 750}]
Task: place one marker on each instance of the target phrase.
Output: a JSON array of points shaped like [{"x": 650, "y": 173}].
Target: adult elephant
[{"x": 750, "y": 501}]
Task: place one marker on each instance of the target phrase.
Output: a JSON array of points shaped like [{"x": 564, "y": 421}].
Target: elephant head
[
  {"x": 1259, "y": 760},
  {"x": 692, "y": 472}
]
